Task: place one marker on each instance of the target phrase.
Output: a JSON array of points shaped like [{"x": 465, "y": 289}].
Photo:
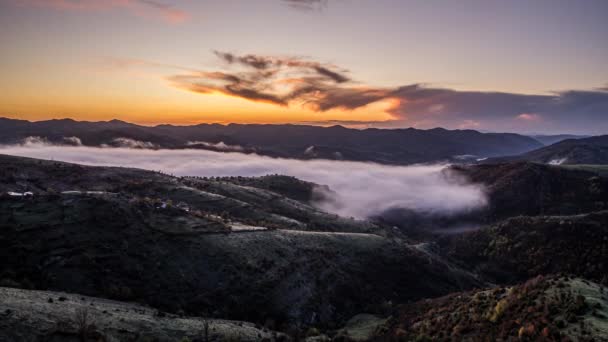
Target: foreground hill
[
  {"x": 175, "y": 262},
  {"x": 56, "y": 316},
  {"x": 395, "y": 146},
  {"x": 257, "y": 250},
  {"x": 250, "y": 204},
  {"x": 523, "y": 247},
  {"x": 204, "y": 247},
  {"x": 541, "y": 309}
]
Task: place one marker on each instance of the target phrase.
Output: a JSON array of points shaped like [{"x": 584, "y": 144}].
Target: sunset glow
[{"x": 411, "y": 65}]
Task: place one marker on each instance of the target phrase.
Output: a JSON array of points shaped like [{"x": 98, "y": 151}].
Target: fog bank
[{"x": 362, "y": 189}]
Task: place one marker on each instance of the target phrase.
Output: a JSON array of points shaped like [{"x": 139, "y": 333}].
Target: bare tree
[
  {"x": 81, "y": 317},
  {"x": 206, "y": 330}
]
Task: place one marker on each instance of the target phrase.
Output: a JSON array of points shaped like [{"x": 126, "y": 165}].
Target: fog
[{"x": 359, "y": 189}]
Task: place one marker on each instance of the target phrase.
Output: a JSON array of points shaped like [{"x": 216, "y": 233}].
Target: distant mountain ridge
[
  {"x": 394, "y": 146},
  {"x": 552, "y": 139},
  {"x": 592, "y": 151}
]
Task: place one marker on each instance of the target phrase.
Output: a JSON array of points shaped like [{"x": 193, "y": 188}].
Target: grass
[
  {"x": 362, "y": 327},
  {"x": 597, "y": 297}
]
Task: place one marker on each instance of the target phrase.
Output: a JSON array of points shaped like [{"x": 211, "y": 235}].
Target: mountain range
[
  {"x": 388, "y": 146},
  {"x": 592, "y": 150},
  {"x": 92, "y": 253}
]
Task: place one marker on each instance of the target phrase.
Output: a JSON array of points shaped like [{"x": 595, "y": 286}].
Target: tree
[{"x": 81, "y": 317}]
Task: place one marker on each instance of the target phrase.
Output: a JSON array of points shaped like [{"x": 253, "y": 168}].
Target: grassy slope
[
  {"x": 543, "y": 308},
  {"x": 52, "y": 316},
  {"x": 522, "y": 247},
  {"x": 309, "y": 268}
]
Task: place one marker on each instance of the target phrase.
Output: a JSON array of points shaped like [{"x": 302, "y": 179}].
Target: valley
[{"x": 259, "y": 250}]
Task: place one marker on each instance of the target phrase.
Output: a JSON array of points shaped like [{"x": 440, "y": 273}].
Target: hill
[
  {"x": 511, "y": 189},
  {"x": 389, "y": 146},
  {"x": 256, "y": 250},
  {"x": 57, "y": 316},
  {"x": 523, "y": 247},
  {"x": 523, "y": 188},
  {"x": 593, "y": 151},
  {"x": 542, "y": 309},
  {"x": 203, "y": 247},
  {"x": 552, "y": 139}
]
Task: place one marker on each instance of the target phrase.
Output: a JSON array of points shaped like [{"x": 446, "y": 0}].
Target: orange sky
[{"x": 465, "y": 64}]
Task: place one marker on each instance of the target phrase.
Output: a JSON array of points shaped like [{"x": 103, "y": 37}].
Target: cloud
[
  {"x": 131, "y": 143},
  {"x": 422, "y": 106},
  {"x": 369, "y": 189},
  {"x": 34, "y": 141},
  {"x": 221, "y": 146},
  {"x": 75, "y": 141},
  {"x": 469, "y": 124},
  {"x": 282, "y": 81},
  {"x": 144, "y": 8},
  {"x": 306, "y": 5},
  {"x": 321, "y": 87},
  {"x": 267, "y": 63},
  {"x": 557, "y": 161},
  {"x": 310, "y": 151},
  {"x": 529, "y": 117},
  {"x": 289, "y": 81},
  {"x": 573, "y": 110}
]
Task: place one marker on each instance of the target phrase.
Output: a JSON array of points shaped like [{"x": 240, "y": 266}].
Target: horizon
[
  {"x": 501, "y": 67},
  {"x": 532, "y": 134}
]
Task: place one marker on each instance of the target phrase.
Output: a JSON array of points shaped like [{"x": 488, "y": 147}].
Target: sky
[{"x": 519, "y": 66}]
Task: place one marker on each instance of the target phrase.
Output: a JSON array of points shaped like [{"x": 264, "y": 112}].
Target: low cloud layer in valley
[{"x": 361, "y": 189}]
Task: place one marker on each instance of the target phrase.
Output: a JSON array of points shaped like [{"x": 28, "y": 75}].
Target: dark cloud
[
  {"x": 425, "y": 107},
  {"x": 201, "y": 82},
  {"x": 266, "y": 63},
  {"x": 571, "y": 110},
  {"x": 257, "y": 62},
  {"x": 306, "y": 5},
  {"x": 282, "y": 81},
  {"x": 339, "y": 78}
]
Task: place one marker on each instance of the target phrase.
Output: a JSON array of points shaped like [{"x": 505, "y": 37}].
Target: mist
[{"x": 359, "y": 189}]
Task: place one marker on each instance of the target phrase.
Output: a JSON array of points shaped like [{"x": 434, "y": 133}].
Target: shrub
[
  {"x": 81, "y": 317},
  {"x": 498, "y": 310}
]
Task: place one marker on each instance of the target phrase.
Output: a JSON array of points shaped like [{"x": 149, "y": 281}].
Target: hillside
[
  {"x": 541, "y": 309},
  {"x": 552, "y": 139},
  {"x": 287, "y": 186},
  {"x": 57, "y": 316},
  {"x": 257, "y": 250},
  {"x": 389, "y": 146},
  {"x": 523, "y": 247},
  {"x": 593, "y": 151},
  {"x": 219, "y": 196},
  {"x": 523, "y": 188},
  {"x": 511, "y": 189},
  {"x": 204, "y": 247}
]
